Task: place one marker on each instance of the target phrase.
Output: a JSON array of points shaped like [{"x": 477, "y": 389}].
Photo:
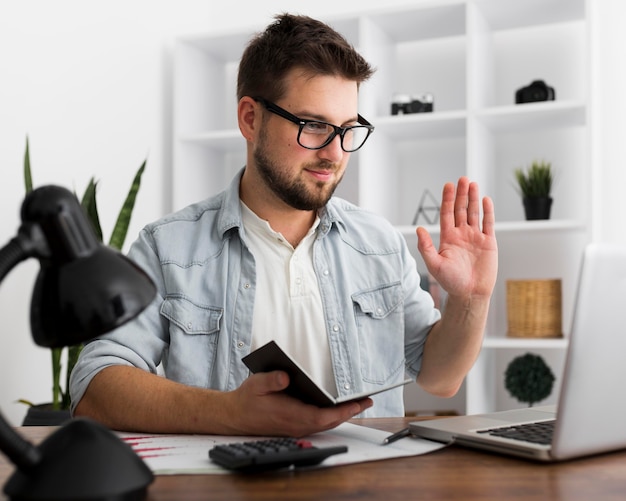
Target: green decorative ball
[{"x": 529, "y": 379}]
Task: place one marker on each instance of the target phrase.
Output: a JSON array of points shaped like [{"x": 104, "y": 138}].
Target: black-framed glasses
[{"x": 315, "y": 135}]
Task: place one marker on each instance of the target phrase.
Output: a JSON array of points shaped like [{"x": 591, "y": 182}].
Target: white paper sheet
[{"x": 189, "y": 454}]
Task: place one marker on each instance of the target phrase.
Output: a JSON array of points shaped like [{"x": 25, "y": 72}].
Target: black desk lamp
[{"x": 84, "y": 289}]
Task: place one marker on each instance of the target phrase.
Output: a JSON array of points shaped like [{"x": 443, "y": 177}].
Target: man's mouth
[{"x": 323, "y": 175}]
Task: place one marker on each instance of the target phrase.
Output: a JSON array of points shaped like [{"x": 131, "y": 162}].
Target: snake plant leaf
[
  {"x": 56, "y": 377},
  {"x": 72, "y": 358},
  {"x": 123, "y": 219},
  {"x": 90, "y": 206},
  {"x": 28, "y": 178}
]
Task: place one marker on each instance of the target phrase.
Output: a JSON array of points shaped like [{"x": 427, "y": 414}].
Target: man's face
[{"x": 301, "y": 178}]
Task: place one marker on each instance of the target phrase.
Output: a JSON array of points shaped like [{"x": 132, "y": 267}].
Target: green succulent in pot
[
  {"x": 535, "y": 187},
  {"x": 60, "y": 393}
]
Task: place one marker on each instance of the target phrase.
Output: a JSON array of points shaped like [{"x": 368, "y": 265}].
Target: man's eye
[{"x": 316, "y": 128}]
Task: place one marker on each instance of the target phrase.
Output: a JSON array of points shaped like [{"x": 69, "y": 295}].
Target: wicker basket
[{"x": 534, "y": 308}]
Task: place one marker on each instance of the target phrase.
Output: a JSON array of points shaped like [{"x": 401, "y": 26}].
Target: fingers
[
  {"x": 461, "y": 206},
  {"x": 473, "y": 205},
  {"x": 446, "y": 213},
  {"x": 489, "y": 219},
  {"x": 461, "y": 202}
]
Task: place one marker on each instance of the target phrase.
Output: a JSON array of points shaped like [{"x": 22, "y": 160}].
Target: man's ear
[{"x": 248, "y": 117}]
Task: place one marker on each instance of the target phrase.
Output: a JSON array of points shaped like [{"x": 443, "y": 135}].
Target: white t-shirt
[{"x": 288, "y": 305}]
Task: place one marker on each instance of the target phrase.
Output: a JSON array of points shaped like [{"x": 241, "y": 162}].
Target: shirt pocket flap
[
  {"x": 378, "y": 303},
  {"x": 190, "y": 317}
]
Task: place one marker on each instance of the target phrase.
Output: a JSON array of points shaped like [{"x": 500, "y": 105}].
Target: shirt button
[
  {"x": 346, "y": 386},
  {"x": 246, "y": 286},
  {"x": 326, "y": 273},
  {"x": 240, "y": 344},
  {"x": 189, "y": 325},
  {"x": 379, "y": 310},
  {"x": 335, "y": 328}
]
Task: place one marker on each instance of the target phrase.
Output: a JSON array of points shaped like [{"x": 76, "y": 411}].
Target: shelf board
[
  {"x": 453, "y": 123},
  {"x": 438, "y": 20},
  {"x": 423, "y": 125},
  {"x": 417, "y": 125},
  {"x": 533, "y": 116},
  {"x": 536, "y": 226},
  {"x": 501, "y": 119},
  {"x": 511, "y": 15},
  {"x": 221, "y": 140},
  {"x": 511, "y": 226},
  {"x": 225, "y": 46},
  {"x": 524, "y": 343}
]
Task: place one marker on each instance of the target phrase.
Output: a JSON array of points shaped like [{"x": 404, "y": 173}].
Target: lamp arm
[{"x": 21, "y": 452}]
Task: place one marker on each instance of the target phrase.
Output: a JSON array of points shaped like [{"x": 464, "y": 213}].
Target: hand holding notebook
[{"x": 270, "y": 357}]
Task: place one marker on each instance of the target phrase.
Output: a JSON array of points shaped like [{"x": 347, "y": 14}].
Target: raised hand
[{"x": 466, "y": 263}]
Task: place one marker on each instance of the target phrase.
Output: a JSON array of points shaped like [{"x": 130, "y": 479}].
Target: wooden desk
[{"x": 452, "y": 473}]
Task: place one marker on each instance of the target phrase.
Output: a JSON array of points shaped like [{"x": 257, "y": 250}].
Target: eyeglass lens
[{"x": 318, "y": 134}]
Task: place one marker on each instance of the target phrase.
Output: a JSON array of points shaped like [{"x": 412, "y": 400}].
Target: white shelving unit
[{"x": 472, "y": 55}]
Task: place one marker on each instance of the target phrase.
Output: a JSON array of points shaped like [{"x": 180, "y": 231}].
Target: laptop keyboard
[{"x": 537, "y": 433}]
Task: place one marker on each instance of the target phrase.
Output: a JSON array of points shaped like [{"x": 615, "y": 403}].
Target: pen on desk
[{"x": 397, "y": 436}]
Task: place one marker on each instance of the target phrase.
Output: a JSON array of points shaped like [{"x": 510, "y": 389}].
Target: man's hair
[{"x": 294, "y": 41}]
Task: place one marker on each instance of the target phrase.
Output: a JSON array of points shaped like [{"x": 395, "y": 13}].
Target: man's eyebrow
[{"x": 305, "y": 115}]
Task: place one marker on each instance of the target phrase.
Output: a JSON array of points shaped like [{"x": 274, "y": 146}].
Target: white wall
[
  {"x": 90, "y": 84},
  {"x": 609, "y": 116}
]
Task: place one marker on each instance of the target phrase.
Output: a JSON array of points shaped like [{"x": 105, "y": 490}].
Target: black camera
[
  {"x": 538, "y": 90},
  {"x": 404, "y": 105}
]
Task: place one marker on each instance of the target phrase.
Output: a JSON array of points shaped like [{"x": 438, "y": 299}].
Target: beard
[{"x": 294, "y": 191}]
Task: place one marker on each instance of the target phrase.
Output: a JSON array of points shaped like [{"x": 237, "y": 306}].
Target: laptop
[{"x": 590, "y": 417}]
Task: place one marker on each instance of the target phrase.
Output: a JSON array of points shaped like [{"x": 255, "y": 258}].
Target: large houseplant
[
  {"x": 60, "y": 404},
  {"x": 535, "y": 186}
]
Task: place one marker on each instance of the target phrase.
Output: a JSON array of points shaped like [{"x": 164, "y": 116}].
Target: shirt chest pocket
[
  {"x": 380, "y": 325},
  {"x": 194, "y": 334},
  {"x": 190, "y": 317}
]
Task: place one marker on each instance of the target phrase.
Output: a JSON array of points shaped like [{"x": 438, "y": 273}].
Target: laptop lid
[{"x": 591, "y": 409}]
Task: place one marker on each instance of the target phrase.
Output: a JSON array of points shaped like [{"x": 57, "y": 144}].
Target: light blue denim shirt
[{"x": 199, "y": 326}]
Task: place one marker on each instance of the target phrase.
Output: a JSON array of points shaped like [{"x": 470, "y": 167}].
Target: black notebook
[{"x": 270, "y": 357}]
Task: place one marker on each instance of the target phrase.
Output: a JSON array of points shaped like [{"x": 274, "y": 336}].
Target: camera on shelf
[
  {"x": 403, "y": 104},
  {"x": 538, "y": 90}
]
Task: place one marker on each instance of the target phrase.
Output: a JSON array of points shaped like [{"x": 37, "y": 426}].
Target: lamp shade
[
  {"x": 79, "y": 300},
  {"x": 84, "y": 288}
]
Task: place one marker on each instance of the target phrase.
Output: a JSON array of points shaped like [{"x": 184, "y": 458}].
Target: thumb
[
  {"x": 425, "y": 244},
  {"x": 271, "y": 382}
]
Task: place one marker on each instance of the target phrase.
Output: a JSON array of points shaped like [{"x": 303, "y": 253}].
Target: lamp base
[{"x": 84, "y": 461}]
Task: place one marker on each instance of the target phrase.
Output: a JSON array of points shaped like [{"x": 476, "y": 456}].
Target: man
[{"x": 275, "y": 257}]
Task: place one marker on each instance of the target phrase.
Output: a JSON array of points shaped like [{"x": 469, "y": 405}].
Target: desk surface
[{"x": 452, "y": 473}]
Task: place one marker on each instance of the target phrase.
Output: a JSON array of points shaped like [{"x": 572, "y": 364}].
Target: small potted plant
[
  {"x": 57, "y": 411},
  {"x": 535, "y": 185}
]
